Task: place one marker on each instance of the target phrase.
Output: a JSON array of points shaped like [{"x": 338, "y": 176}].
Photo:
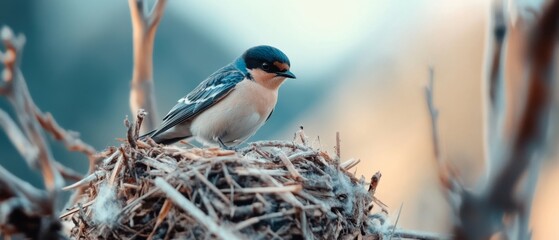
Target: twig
[
  {"x": 275, "y": 144},
  {"x": 447, "y": 175},
  {"x": 350, "y": 163},
  {"x": 305, "y": 226},
  {"x": 290, "y": 188},
  {"x": 396, "y": 222},
  {"x": 74, "y": 210},
  {"x": 194, "y": 211},
  {"x": 208, "y": 205},
  {"x": 254, "y": 220},
  {"x": 434, "y": 113},
  {"x": 298, "y": 155},
  {"x": 70, "y": 139},
  {"x": 211, "y": 186},
  {"x": 144, "y": 27},
  {"x": 116, "y": 170},
  {"x": 84, "y": 181},
  {"x": 12, "y": 186},
  {"x": 301, "y": 134},
  {"x": 139, "y": 120},
  {"x": 338, "y": 150},
  {"x": 167, "y": 205},
  {"x": 410, "y": 234},
  {"x": 375, "y": 179},
  {"x": 28, "y": 151},
  {"x": 294, "y": 173}
]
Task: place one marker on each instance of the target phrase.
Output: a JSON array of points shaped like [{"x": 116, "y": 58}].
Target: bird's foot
[{"x": 222, "y": 145}]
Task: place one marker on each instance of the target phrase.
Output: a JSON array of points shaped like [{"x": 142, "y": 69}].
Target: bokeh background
[{"x": 361, "y": 67}]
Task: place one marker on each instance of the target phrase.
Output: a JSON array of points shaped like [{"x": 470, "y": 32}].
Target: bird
[{"x": 231, "y": 104}]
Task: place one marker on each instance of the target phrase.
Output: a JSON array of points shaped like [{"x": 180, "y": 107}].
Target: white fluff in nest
[{"x": 106, "y": 206}]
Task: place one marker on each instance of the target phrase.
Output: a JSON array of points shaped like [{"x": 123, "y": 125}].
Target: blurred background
[{"x": 361, "y": 69}]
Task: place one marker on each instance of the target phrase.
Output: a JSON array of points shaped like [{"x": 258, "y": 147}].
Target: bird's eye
[{"x": 265, "y": 66}]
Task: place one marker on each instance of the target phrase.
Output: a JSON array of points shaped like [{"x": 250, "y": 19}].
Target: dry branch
[
  {"x": 144, "y": 27},
  {"x": 494, "y": 103},
  {"x": 480, "y": 213},
  {"x": 15, "y": 90},
  {"x": 25, "y": 209}
]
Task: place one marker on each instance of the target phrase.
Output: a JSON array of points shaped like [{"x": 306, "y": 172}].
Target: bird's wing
[{"x": 206, "y": 94}]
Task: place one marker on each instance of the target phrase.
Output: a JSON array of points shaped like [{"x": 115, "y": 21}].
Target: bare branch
[
  {"x": 144, "y": 27},
  {"x": 434, "y": 114},
  {"x": 28, "y": 151},
  {"x": 18, "y": 95},
  {"x": 156, "y": 14},
  {"x": 494, "y": 85},
  {"x": 26, "y": 204},
  {"x": 12, "y": 186},
  {"x": 70, "y": 139},
  {"x": 25, "y": 209},
  {"x": 480, "y": 214},
  {"x": 447, "y": 175},
  {"x": 535, "y": 113}
]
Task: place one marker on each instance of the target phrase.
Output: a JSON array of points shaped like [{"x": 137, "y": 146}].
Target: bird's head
[{"x": 267, "y": 66}]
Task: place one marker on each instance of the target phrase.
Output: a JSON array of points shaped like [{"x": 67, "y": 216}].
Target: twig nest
[{"x": 267, "y": 190}]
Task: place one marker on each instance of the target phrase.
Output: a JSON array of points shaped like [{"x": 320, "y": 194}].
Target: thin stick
[
  {"x": 27, "y": 150},
  {"x": 301, "y": 134},
  {"x": 75, "y": 210},
  {"x": 70, "y": 139},
  {"x": 116, "y": 170},
  {"x": 350, "y": 163},
  {"x": 338, "y": 151},
  {"x": 274, "y": 143},
  {"x": 167, "y": 205},
  {"x": 289, "y": 165},
  {"x": 434, "y": 113},
  {"x": 396, "y": 223},
  {"x": 84, "y": 181},
  {"x": 410, "y": 234},
  {"x": 375, "y": 179},
  {"x": 290, "y": 188},
  {"x": 254, "y": 220},
  {"x": 194, "y": 211},
  {"x": 208, "y": 206},
  {"x": 211, "y": 186},
  {"x": 446, "y": 174}
]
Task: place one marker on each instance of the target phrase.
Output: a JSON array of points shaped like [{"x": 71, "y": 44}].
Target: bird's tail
[
  {"x": 161, "y": 140},
  {"x": 146, "y": 135}
]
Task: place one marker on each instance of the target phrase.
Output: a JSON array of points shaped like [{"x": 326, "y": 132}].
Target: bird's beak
[{"x": 287, "y": 74}]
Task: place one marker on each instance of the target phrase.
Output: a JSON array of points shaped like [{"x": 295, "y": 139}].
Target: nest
[{"x": 268, "y": 190}]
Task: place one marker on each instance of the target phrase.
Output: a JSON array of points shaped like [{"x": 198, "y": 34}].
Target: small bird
[{"x": 231, "y": 104}]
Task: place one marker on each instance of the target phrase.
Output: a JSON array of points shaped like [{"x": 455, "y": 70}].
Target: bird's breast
[{"x": 237, "y": 116}]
